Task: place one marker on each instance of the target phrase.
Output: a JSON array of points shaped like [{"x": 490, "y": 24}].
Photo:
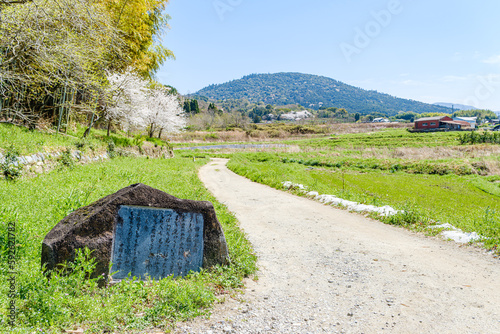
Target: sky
[{"x": 425, "y": 50}]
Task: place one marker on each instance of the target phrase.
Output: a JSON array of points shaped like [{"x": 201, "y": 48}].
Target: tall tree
[
  {"x": 141, "y": 24},
  {"x": 126, "y": 100},
  {"x": 164, "y": 112},
  {"x": 194, "y": 106},
  {"x": 187, "y": 106},
  {"x": 50, "y": 51}
]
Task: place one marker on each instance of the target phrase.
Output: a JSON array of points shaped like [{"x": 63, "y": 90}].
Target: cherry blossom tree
[
  {"x": 164, "y": 111},
  {"x": 136, "y": 103},
  {"x": 125, "y": 100}
]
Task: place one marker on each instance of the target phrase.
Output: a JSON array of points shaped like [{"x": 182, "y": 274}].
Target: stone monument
[{"x": 141, "y": 231}]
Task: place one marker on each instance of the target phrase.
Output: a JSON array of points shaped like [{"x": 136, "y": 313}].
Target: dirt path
[{"x": 325, "y": 270}]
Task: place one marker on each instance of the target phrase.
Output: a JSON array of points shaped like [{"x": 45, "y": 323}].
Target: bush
[
  {"x": 111, "y": 149},
  {"x": 11, "y": 168},
  {"x": 120, "y": 141},
  {"x": 66, "y": 160},
  {"x": 484, "y": 137}
]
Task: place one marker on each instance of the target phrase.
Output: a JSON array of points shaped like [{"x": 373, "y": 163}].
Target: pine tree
[
  {"x": 195, "y": 109},
  {"x": 187, "y": 106}
]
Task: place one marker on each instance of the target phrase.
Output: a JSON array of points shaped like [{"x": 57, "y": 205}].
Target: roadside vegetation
[
  {"x": 430, "y": 176},
  {"x": 70, "y": 302}
]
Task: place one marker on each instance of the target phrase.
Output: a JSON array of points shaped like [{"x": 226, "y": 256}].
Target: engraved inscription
[{"x": 156, "y": 243}]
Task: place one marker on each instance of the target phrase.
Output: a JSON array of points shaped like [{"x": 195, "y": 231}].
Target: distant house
[
  {"x": 440, "y": 122},
  {"x": 471, "y": 120},
  {"x": 380, "y": 120},
  {"x": 430, "y": 122}
]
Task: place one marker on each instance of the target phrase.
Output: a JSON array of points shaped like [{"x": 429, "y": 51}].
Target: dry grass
[
  {"x": 344, "y": 128},
  {"x": 483, "y": 158},
  {"x": 281, "y": 131},
  {"x": 432, "y": 153}
]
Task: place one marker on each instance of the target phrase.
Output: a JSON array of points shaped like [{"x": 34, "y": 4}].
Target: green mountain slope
[{"x": 313, "y": 91}]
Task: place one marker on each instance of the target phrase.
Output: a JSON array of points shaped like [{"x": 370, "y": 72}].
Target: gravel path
[{"x": 325, "y": 270}]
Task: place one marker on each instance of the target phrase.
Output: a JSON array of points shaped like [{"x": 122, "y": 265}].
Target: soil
[{"x": 326, "y": 270}]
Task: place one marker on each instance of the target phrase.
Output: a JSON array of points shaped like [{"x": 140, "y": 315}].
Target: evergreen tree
[
  {"x": 187, "y": 106},
  {"x": 195, "y": 109}
]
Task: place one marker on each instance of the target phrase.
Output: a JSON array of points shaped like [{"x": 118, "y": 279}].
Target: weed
[
  {"x": 112, "y": 149},
  {"x": 66, "y": 159},
  {"x": 81, "y": 144},
  {"x": 410, "y": 216},
  {"x": 138, "y": 140},
  {"x": 11, "y": 168}
]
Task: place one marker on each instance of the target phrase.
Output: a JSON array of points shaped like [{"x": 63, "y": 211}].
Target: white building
[{"x": 380, "y": 120}]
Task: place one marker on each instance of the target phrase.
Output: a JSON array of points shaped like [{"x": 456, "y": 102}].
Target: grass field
[
  {"x": 388, "y": 138},
  {"x": 432, "y": 176},
  {"x": 69, "y": 302},
  {"x": 279, "y": 131},
  {"x": 27, "y": 142}
]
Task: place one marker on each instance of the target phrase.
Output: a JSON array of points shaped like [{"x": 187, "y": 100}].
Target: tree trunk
[
  {"x": 86, "y": 133},
  {"x": 151, "y": 130},
  {"x": 61, "y": 109},
  {"x": 109, "y": 126}
]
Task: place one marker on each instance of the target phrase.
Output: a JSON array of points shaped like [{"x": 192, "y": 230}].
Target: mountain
[
  {"x": 456, "y": 106},
  {"x": 313, "y": 91}
]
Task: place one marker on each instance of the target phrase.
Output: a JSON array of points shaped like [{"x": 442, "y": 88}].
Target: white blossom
[{"x": 136, "y": 103}]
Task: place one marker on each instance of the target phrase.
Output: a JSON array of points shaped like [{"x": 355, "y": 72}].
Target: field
[
  {"x": 62, "y": 303},
  {"x": 429, "y": 176},
  {"x": 278, "y": 132}
]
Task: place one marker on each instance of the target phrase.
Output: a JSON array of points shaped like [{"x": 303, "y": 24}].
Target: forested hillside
[{"x": 313, "y": 91}]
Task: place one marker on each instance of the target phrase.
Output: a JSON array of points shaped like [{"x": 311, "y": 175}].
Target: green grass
[
  {"x": 471, "y": 203},
  {"x": 29, "y": 142},
  {"x": 388, "y": 138},
  {"x": 423, "y": 166},
  {"x": 68, "y": 302}
]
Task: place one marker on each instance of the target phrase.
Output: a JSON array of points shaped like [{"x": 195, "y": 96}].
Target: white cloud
[
  {"x": 453, "y": 78},
  {"x": 411, "y": 82},
  {"x": 492, "y": 60}
]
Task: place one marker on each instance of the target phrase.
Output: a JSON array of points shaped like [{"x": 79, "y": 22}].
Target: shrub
[
  {"x": 80, "y": 144},
  {"x": 11, "y": 168},
  {"x": 66, "y": 160},
  {"x": 484, "y": 137},
  {"x": 111, "y": 149}
]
